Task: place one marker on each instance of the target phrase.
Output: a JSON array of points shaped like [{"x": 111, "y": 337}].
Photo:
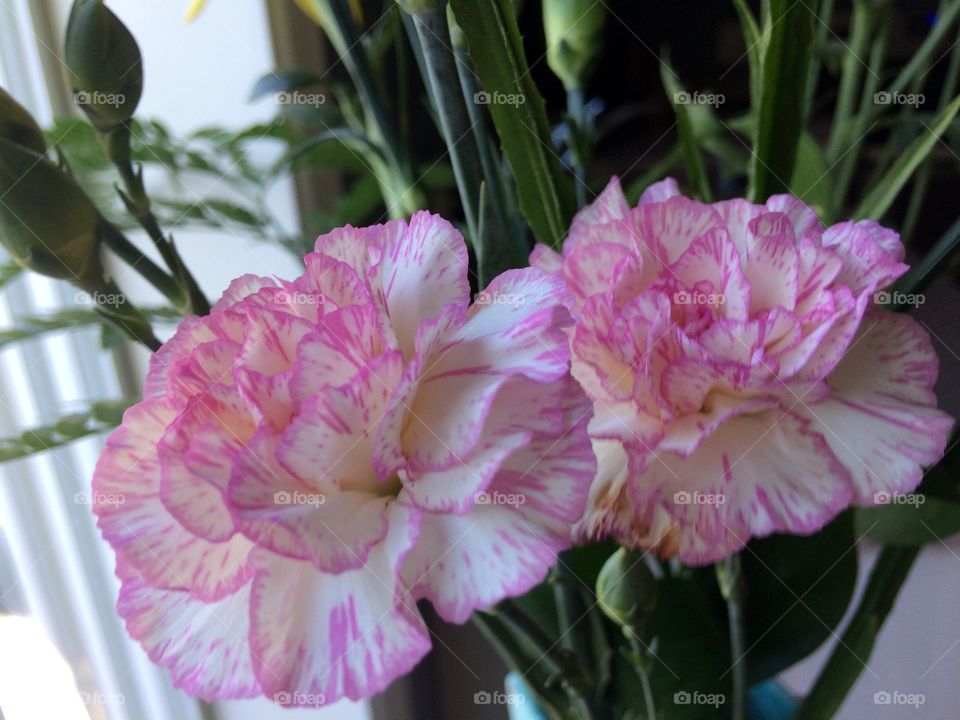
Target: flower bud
[
  {"x": 18, "y": 126},
  {"x": 573, "y": 29},
  {"x": 627, "y": 589},
  {"x": 47, "y": 223},
  {"x": 106, "y": 72}
]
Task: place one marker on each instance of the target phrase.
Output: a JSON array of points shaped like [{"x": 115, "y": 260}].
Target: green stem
[
  {"x": 149, "y": 270},
  {"x": 820, "y": 43},
  {"x": 850, "y": 77},
  {"x": 849, "y": 656},
  {"x": 921, "y": 273},
  {"x": 578, "y": 132},
  {"x": 732, "y": 587},
  {"x": 433, "y": 36}
]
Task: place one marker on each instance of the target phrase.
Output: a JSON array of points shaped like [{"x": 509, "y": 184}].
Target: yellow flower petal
[{"x": 195, "y": 7}]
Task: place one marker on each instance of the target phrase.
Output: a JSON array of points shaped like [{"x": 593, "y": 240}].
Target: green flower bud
[
  {"x": 106, "y": 71},
  {"x": 18, "y": 126},
  {"x": 47, "y": 223},
  {"x": 627, "y": 589},
  {"x": 573, "y": 29}
]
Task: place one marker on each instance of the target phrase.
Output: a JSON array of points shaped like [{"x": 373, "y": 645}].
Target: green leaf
[
  {"x": 881, "y": 197},
  {"x": 820, "y": 570},
  {"x": 785, "y": 57},
  {"x": 692, "y": 157},
  {"x": 544, "y": 188},
  {"x": 100, "y": 416},
  {"x": 8, "y": 272},
  {"x": 915, "y": 520},
  {"x": 27, "y": 327},
  {"x": 811, "y": 180},
  {"x": 280, "y": 81},
  {"x": 753, "y": 42}
]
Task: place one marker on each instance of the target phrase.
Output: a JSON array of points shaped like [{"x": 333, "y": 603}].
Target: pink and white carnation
[
  {"x": 744, "y": 380},
  {"x": 315, "y": 456}
]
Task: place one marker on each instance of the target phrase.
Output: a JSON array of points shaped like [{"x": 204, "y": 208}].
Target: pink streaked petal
[
  {"x": 713, "y": 258},
  {"x": 773, "y": 270},
  {"x": 546, "y": 258},
  {"x": 424, "y": 268},
  {"x": 343, "y": 635},
  {"x": 241, "y": 288},
  {"x": 772, "y": 470},
  {"x": 355, "y": 247},
  {"x": 588, "y": 267},
  {"x": 610, "y": 205},
  {"x": 334, "y": 530},
  {"x": 802, "y": 217},
  {"x": 336, "y": 282},
  {"x": 881, "y": 418},
  {"x": 203, "y": 645},
  {"x": 668, "y": 228},
  {"x": 271, "y": 340},
  {"x": 341, "y": 344},
  {"x": 329, "y": 442},
  {"x": 867, "y": 265},
  {"x": 660, "y": 191},
  {"x": 191, "y": 331},
  {"x": 521, "y": 335}
]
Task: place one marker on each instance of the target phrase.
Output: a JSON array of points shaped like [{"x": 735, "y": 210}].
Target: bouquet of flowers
[{"x": 634, "y": 436}]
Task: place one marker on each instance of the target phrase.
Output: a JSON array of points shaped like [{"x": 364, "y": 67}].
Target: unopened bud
[
  {"x": 106, "y": 70},
  {"x": 18, "y": 126},
  {"x": 47, "y": 223},
  {"x": 627, "y": 589},
  {"x": 574, "y": 31}
]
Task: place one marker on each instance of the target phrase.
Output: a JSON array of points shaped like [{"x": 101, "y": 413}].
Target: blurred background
[{"x": 247, "y": 172}]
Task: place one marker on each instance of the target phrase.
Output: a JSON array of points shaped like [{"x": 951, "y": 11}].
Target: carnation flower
[
  {"x": 744, "y": 380},
  {"x": 315, "y": 456}
]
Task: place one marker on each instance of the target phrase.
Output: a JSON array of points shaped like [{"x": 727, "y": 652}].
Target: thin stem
[
  {"x": 820, "y": 43},
  {"x": 149, "y": 270},
  {"x": 849, "y": 657},
  {"x": 578, "y": 133},
  {"x": 850, "y": 77},
  {"x": 639, "y": 653},
  {"x": 731, "y": 581},
  {"x": 433, "y": 35}
]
